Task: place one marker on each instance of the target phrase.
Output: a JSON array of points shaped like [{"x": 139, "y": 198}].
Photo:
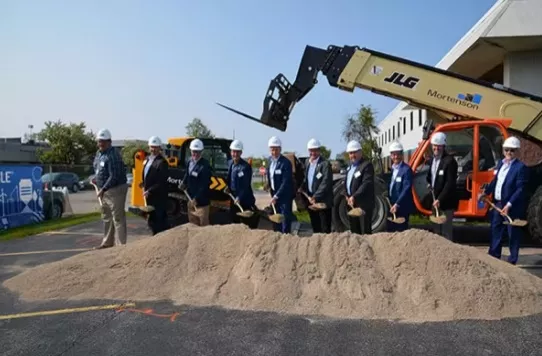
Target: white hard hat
[
  {"x": 196, "y": 145},
  {"x": 274, "y": 142},
  {"x": 313, "y": 143},
  {"x": 396, "y": 147},
  {"x": 353, "y": 146},
  {"x": 103, "y": 135},
  {"x": 438, "y": 138},
  {"x": 155, "y": 141},
  {"x": 236, "y": 145},
  {"x": 511, "y": 142}
]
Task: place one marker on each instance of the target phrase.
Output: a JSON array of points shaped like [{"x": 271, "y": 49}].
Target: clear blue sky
[{"x": 144, "y": 68}]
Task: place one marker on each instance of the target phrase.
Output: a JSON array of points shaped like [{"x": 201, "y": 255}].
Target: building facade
[{"x": 503, "y": 47}]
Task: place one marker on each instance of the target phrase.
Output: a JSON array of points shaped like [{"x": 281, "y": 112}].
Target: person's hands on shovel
[
  {"x": 436, "y": 204},
  {"x": 351, "y": 201},
  {"x": 273, "y": 201},
  {"x": 504, "y": 211},
  {"x": 393, "y": 209}
]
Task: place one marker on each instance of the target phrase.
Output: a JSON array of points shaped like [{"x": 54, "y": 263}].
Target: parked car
[
  {"x": 85, "y": 183},
  {"x": 61, "y": 179},
  {"x": 129, "y": 178}
]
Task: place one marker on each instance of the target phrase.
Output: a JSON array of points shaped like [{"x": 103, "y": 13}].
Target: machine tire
[
  {"x": 534, "y": 216},
  {"x": 340, "y": 218},
  {"x": 75, "y": 188}
]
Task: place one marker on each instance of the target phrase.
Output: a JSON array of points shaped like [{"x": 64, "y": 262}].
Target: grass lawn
[
  {"x": 49, "y": 225},
  {"x": 257, "y": 185}
]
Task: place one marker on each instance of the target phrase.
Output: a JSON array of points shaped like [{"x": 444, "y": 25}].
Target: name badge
[
  {"x": 278, "y": 171},
  {"x": 102, "y": 163},
  {"x": 194, "y": 174},
  {"x": 495, "y": 172},
  {"x": 441, "y": 172},
  {"x": 240, "y": 174},
  {"x": 357, "y": 174},
  {"x": 398, "y": 179},
  {"x": 319, "y": 175}
]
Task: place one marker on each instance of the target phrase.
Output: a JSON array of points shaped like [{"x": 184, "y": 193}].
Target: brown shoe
[{"x": 101, "y": 247}]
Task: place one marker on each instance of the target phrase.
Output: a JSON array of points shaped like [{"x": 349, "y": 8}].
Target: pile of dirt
[{"x": 414, "y": 275}]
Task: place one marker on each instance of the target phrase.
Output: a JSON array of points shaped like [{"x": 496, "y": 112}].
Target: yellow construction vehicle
[{"x": 478, "y": 117}]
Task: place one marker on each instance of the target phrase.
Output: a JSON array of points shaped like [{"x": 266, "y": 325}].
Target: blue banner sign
[{"x": 21, "y": 196}]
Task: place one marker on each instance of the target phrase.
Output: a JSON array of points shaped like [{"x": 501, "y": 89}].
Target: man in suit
[
  {"x": 196, "y": 181},
  {"x": 441, "y": 178},
  {"x": 400, "y": 189},
  {"x": 155, "y": 186},
  {"x": 318, "y": 185},
  {"x": 360, "y": 190},
  {"x": 508, "y": 189},
  {"x": 239, "y": 182},
  {"x": 279, "y": 176}
]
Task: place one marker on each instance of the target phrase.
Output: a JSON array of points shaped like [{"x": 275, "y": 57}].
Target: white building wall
[{"x": 404, "y": 126}]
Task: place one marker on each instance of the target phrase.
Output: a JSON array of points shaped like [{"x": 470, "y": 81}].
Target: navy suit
[
  {"x": 284, "y": 191},
  {"x": 198, "y": 181},
  {"x": 239, "y": 182},
  {"x": 400, "y": 193},
  {"x": 513, "y": 192}
]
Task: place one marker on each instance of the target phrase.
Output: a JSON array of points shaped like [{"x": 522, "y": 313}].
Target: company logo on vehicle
[
  {"x": 376, "y": 70},
  {"x": 470, "y": 101},
  {"x": 402, "y": 80}
]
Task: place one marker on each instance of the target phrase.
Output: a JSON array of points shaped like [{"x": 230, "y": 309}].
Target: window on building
[
  {"x": 404, "y": 125},
  {"x": 393, "y": 135},
  {"x": 420, "y": 118},
  {"x": 411, "y": 120},
  {"x": 399, "y": 129}
]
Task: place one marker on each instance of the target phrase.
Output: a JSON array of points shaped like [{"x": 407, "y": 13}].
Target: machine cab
[{"x": 477, "y": 148}]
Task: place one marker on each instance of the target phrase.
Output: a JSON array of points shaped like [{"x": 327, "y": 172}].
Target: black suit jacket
[
  {"x": 445, "y": 182},
  {"x": 362, "y": 185},
  {"x": 156, "y": 180},
  {"x": 322, "y": 182}
]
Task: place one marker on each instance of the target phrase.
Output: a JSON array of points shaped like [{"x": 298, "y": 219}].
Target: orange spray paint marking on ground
[{"x": 150, "y": 312}]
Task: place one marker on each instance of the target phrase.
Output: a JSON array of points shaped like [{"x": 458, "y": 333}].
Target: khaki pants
[
  {"x": 114, "y": 215},
  {"x": 200, "y": 216}
]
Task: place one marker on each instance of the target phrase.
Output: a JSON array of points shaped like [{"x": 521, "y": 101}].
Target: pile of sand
[{"x": 413, "y": 275}]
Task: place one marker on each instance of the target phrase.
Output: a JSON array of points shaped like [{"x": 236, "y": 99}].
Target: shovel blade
[
  {"x": 357, "y": 212},
  {"x": 245, "y": 214},
  {"x": 519, "y": 223},
  {"x": 397, "y": 220},
  {"x": 438, "y": 219},
  {"x": 276, "y": 218},
  {"x": 147, "y": 209},
  {"x": 318, "y": 206}
]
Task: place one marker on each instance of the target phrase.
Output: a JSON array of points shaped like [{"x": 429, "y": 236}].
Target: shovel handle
[
  {"x": 236, "y": 203},
  {"x": 97, "y": 191},
  {"x": 434, "y": 199},
  {"x": 274, "y": 210},
  {"x": 190, "y": 199},
  {"x": 389, "y": 203},
  {"x": 498, "y": 209}
]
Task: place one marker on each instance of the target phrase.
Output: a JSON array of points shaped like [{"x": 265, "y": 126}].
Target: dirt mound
[{"x": 413, "y": 275}]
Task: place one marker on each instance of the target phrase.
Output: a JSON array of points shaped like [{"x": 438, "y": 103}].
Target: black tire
[
  {"x": 75, "y": 188},
  {"x": 534, "y": 216},
  {"x": 57, "y": 211},
  {"x": 380, "y": 213}
]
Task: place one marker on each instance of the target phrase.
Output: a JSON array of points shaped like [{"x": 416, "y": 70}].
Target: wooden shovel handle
[
  {"x": 498, "y": 209},
  {"x": 235, "y": 202}
]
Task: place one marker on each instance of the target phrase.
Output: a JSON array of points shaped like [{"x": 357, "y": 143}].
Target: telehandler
[{"x": 478, "y": 116}]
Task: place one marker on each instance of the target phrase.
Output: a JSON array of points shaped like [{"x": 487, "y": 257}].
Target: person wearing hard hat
[
  {"x": 508, "y": 189},
  {"x": 441, "y": 179},
  {"x": 155, "y": 186},
  {"x": 360, "y": 188},
  {"x": 112, "y": 188},
  {"x": 318, "y": 185},
  {"x": 280, "y": 178},
  {"x": 239, "y": 181},
  {"x": 196, "y": 182},
  {"x": 400, "y": 189}
]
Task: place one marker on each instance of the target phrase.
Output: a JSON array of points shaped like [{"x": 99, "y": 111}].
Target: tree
[
  {"x": 325, "y": 152},
  {"x": 196, "y": 128},
  {"x": 129, "y": 150},
  {"x": 68, "y": 143},
  {"x": 361, "y": 127}
]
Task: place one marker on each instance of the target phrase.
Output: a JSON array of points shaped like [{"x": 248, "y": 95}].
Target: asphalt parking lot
[{"x": 113, "y": 327}]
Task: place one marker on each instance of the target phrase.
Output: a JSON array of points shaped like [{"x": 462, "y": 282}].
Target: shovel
[
  {"x": 243, "y": 213},
  {"x": 195, "y": 212},
  {"x": 147, "y": 208},
  {"x": 276, "y": 218},
  {"x": 438, "y": 218},
  {"x": 515, "y": 222},
  {"x": 97, "y": 190},
  {"x": 315, "y": 206},
  {"x": 355, "y": 212},
  {"x": 395, "y": 219}
]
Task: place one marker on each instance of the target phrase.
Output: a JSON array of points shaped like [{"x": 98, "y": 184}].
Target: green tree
[
  {"x": 196, "y": 128},
  {"x": 361, "y": 127},
  {"x": 325, "y": 152},
  {"x": 129, "y": 150},
  {"x": 68, "y": 143}
]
